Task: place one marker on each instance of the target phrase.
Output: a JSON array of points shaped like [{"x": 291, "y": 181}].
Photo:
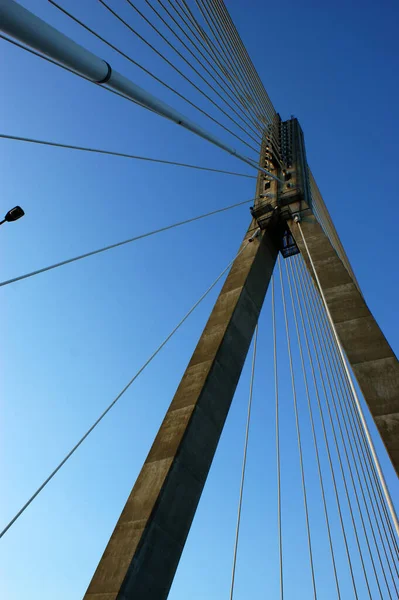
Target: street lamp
[{"x": 13, "y": 215}]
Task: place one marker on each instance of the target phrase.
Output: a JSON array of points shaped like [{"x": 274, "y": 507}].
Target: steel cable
[
  {"x": 127, "y": 386},
  {"x": 234, "y": 41},
  {"x": 246, "y": 58},
  {"x": 358, "y": 405},
  {"x": 290, "y": 275},
  {"x": 355, "y": 415},
  {"x": 163, "y": 83},
  {"x": 241, "y": 115},
  {"x": 328, "y": 377},
  {"x": 244, "y": 464},
  {"x": 310, "y": 327},
  {"x": 242, "y": 158},
  {"x": 246, "y": 68},
  {"x": 219, "y": 60},
  {"x": 346, "y": 441},
  {"x": 61, "y": 66},
  {"x": 121, "y": 155},
  {"x": 191, "y": 66},
  {"x": 128, "y": 241},
  {"x": 179, "y": 71},
  {"x": 197, "y": 33},
  {"x": 349, "y": 410},
  {"x": 221, "y": 34},
  {"x": 341, "y": 395},
  {"x": 294, "y": 395},
  {"x": 278, "y": 457},
  {"x": 220, "y": 40},
  {"x": 224, "y": 84}
]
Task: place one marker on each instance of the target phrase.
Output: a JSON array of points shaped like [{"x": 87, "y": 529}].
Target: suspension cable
[
  {"x": 121, "y": 154},
  {"x": 356, "y": 398},
  {"x": 290, "y": 274},
  {"x": 278, "y": 458},
  {"x": 117, "y": 244},
  {"x": 127, "y": 386},
  {"x": 244, "y": 464},
  {"x": 298, "y": 431}
]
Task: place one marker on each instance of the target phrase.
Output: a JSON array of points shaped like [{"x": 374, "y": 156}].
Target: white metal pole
[{"x": 19, "y": 23}]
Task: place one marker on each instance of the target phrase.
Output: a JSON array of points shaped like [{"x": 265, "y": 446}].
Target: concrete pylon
[
  {"x": 143, "y": 552},
  {"x": 373, "y": 361}
]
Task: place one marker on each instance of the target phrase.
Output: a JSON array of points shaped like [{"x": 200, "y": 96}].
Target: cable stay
[
  {"x": 346, "y": 517},
  {"x": 68, "y": 70},
  {"x": 324, "y": 430},
  {"x": 255, "y": 126},
  {"x": 244, "y": 464},
  {"x": 258, "y": 135},
  {"x": 370, "y": 550},
  {"x": 78, "y": 59},
  {"x": 121, "y": 154},
  {"x": 122, "y": 392},
  {"x": 243, "y": 57},
  {"x": 222, "y": 38},
  {"x": 220, "y": 41},
  {"x": 338, "y": 447},
  {"x": 242, "y": 70},
  {"x": 335, "y": 396},
  {"x": 342, "y": 394},
  {"x": 118, "y": 244},
  {"x": 298, "y": 431},
  {"x": 207, "y": 53},
  {"x": 147, "y": 71},
  {"x": 179, "y": 71},
  {"x": 278, "y": 449},
  {"x": 354, "y": 393},
  {"x": 290, "y": 279},
  {"x": 368, "y": 560}
]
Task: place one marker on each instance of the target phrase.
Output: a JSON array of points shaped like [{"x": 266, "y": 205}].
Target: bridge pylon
[{"x": 144, "y": 550}]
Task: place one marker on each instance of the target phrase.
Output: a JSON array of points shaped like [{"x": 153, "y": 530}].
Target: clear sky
[{"x": 72, "y": 338}]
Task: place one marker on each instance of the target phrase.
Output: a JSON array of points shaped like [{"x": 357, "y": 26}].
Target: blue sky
[{"x": 73, "y": 337}]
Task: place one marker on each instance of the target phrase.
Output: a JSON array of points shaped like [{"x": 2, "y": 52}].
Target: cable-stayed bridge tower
[{"x": 288, "y": 220}]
